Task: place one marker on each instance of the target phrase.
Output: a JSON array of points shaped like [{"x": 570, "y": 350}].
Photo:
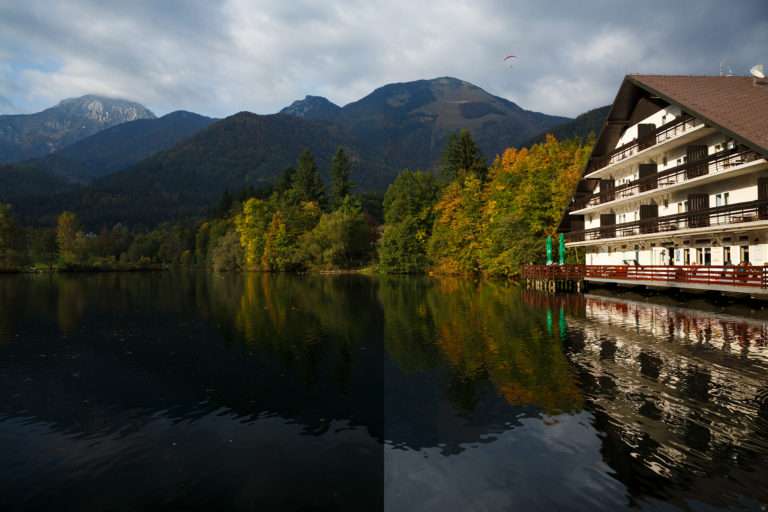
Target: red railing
[
  {"x": 730, "y": 275},
  {"x": 663, "y": 133},
  {"x": 718, "y": 162}
]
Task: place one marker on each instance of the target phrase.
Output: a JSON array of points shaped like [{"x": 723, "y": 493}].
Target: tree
[
  {"x": 8, "y": 238},
  {"x": 227, "y": 254},
  {"x": 341, "y": 185},
  {"x": 41, "y": 245},
  {"x": 306, "y": 182},
  {"x": 67, "y": 228},
  {"x": 456, "y": 237},
  {"x": 279, "y": 252},
  {"x": 525, "y": 196},
  {"x": 225, "y": 203},
  {"x": 461, "y": 156},
  {"x": 408, "y": 216},
  {"x": 341, "y": 239},
  {"x": 251, "y": 225}
]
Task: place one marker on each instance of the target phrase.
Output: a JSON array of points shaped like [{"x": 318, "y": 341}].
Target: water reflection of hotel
[{"x": 675, "y": 389}]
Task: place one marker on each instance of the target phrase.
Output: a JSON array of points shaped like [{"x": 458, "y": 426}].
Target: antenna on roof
[{"x": 758, "y": 73}]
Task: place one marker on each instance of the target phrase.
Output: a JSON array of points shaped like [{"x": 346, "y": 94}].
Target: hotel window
[
  {"x": 744, "y": 253},
  {"x": 699, "y": 256},
  {"x": 680, "y": 208},
  {"x": 666, "y": 203},
  {"x": 727, "y": 256},
  {"x": 707, "y": 256},
  {"x": 725, "y": 198},
  {"x": 664, "y": 160},
  {"x": 686, "y": 256},
  {"x": 719, "y": 200},
  {"x": 685, "y": 206}
]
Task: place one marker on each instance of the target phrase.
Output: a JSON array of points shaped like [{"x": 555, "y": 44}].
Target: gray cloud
[{"x": 222, "y": 57}]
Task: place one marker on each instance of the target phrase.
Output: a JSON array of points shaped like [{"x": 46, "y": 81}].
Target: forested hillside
[{"x": 470, "y": 219}]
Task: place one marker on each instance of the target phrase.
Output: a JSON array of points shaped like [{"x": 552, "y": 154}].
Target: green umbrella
[
  {"x": 561, "y": 240},
  {"x": 549, "y": 250}
]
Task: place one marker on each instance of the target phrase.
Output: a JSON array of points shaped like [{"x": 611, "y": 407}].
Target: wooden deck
[{"x": 752, "y": 280}]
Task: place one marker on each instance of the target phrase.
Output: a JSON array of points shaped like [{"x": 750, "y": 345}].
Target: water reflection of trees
[{"x": 485, "y": 333}]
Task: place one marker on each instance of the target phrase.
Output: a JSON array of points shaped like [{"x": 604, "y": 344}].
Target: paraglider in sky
[{"x": 510, "y": 57}]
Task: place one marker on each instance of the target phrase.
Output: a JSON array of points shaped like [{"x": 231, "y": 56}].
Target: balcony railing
[
  {"x": 718, "y": 162},
  {"x": 722, "y": 215},
  {"x": 729, "y": 275},
  {"x": 663, "y": 133}
]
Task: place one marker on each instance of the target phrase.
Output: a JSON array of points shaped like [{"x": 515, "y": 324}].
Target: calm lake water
[{"x": 228, "y": 392}]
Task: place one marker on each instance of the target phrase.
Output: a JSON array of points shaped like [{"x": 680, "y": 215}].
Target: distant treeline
[{"x": 469, "y": 219}]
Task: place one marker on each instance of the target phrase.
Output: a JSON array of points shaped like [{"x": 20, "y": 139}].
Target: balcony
[
  {"x": 714, "y": 164},
  {"x": 640, "y": 147},
  {"x": 739, "y": 213}
]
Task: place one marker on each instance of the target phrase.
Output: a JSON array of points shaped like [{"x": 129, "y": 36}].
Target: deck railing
[
  {"x": 722, "y": 215},
  {"x": 718, "y": 162},
  {"x": 663, "y": 133},
  {"x": 729, "y": 275}
]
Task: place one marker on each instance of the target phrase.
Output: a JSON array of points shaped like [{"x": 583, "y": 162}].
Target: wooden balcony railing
[
  {"x": 715, "y": 163},
  {"x": 729, "y": 275},
  {"x": 723, "y": 215},
  {"x": 663, "y": 133}
]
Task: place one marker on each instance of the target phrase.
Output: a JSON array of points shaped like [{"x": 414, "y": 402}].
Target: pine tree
[
  {"x": 307, "y": 183},
  {"x": 461, "y": 156},
  {"x": 341, "y": 185},
  {"x": 225, "y": 203}
]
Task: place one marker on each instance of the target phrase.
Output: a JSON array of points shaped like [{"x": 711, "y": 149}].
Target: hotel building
[{"x": 677, "y": 177}]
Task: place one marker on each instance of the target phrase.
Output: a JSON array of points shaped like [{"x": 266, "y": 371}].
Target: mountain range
[
  {"x": 26, "y": 136},
  {"x": 150, "y": 169}
]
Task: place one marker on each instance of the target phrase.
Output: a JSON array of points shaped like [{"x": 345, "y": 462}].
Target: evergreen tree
[
  {"x": 408, "y": 216},
  {"x": 285, "y": 181},
  {"x": 307, "y": 184},
  {"x": 341, "y": 185},
  {"x": 461, "y": 156},
  {"x": 225, "y": 203}
]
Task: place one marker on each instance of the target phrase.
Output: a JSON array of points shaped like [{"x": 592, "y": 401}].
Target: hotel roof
[{"x": 738, "y": 105}]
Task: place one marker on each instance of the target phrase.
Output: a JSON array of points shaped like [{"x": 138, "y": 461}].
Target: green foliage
[
  {"x": 226, "y": 253},
  {"x": 482, "y": 223},
  {"x": 341, "y": 186},
  {"x": 67, "y": 229},
  {"x": 9, "y": 239},
  {"x": 479, "y": 223},
  {"x": 408, "y": 217},
  {"x": 306, "y": 183},
  {"x": 341, "y": 239},
  {"x": 462, "y": 156}
]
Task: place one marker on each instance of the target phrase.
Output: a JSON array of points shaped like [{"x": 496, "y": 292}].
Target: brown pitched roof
[{"x": 733, "y": 103}]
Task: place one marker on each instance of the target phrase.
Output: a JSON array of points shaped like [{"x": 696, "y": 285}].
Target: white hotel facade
[{"x": 678, "y": 176}]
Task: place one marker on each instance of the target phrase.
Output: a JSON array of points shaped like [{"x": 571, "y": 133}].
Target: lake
[{"x": 197, "y": 391}]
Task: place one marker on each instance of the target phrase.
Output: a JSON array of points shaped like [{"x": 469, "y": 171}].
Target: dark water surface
[{"x": 186, "y": 391}]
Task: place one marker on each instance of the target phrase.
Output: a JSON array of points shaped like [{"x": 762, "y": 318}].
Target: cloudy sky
[{"x": 221, "y": 57}]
